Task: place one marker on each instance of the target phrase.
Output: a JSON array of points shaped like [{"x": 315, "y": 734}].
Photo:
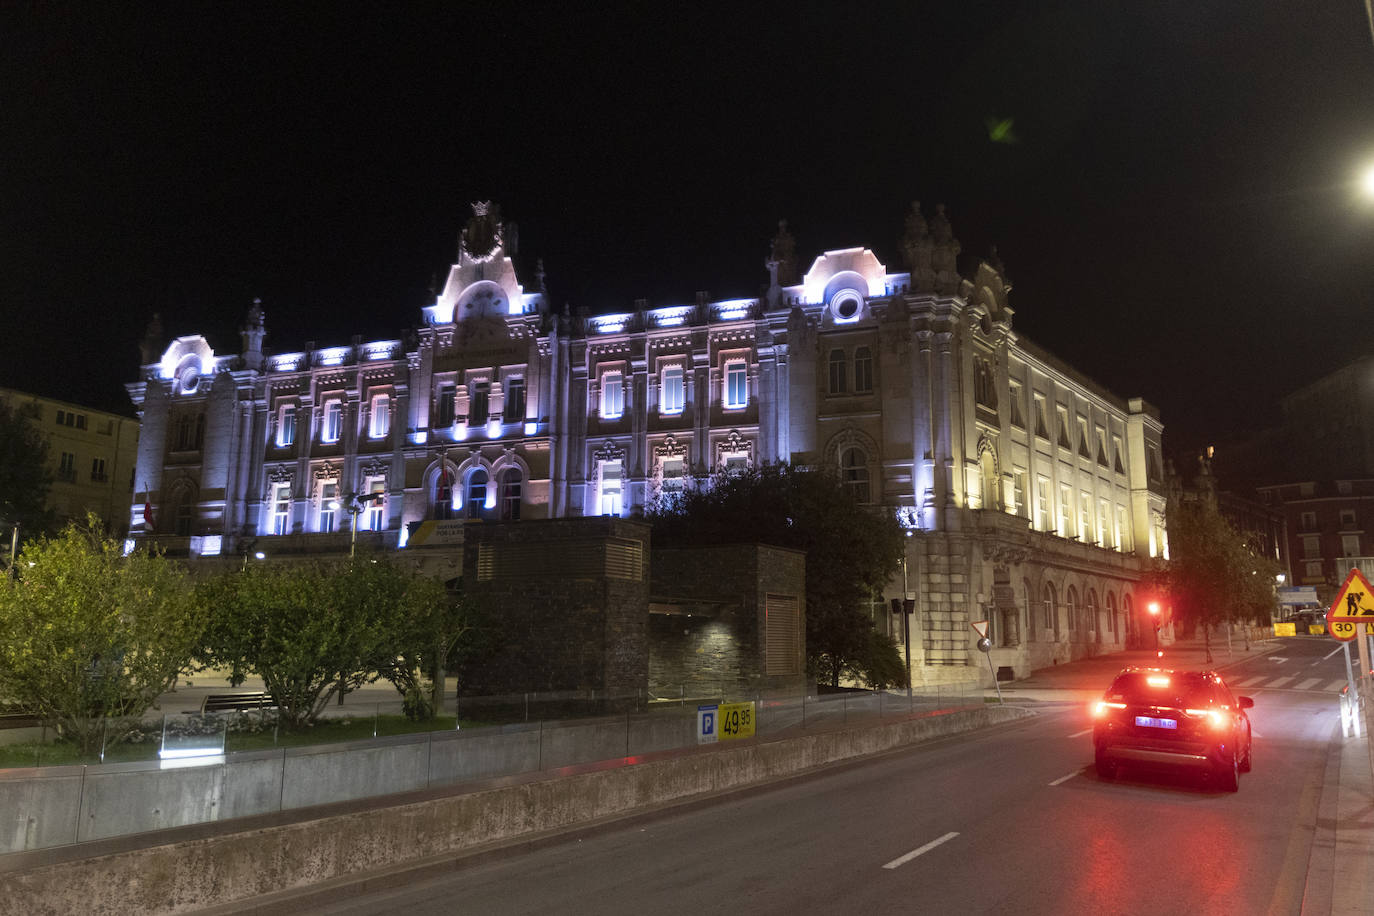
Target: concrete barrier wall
[
  {"x": 183, "y": 876},
  {"x": 39, "y": 808}
]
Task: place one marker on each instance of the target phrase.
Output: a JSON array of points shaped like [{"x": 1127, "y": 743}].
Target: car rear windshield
[{"x": 1161, "y": 689}]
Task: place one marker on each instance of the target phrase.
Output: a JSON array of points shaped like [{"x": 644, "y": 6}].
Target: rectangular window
[
  {"x": 863, "y": 370},
  {"x": 98, "y": 470},
  {"x": 1343, "y": 487},
  {"x": 479, "y": 404},
  {"x": 1102, "y": 447},
  {"x": 1116, "y": 455},
  {"x": 515, "y": 400},
  {"x": 1314, "y": 569},
  {"x": 333, "y": 422},
  {"x": 379, "y": 422},
  {"x": 1016, "y": 395},
  {"x": 61, "y": 418},
  {"x": 1311, "y": 545},
  {"x": 375, "y": 490},
  {"x": 281, "y": 508},
  {"x": 782, "y": 635},
  {"x": 329, "y": 505},
  {"x": 1085, "y": 519},
  {"x": 1062, "y": 414},
  {"x": 1348, "y": 520},
  {"x": 1021, "y": 508},
  {"x": 66, "y": 467},
  {"x": 1083, "y": 438},
  {"x": 839, "y": 371},
  {"x": 1043, "y": 520},
  {"x": 1308, "y": 521},
  {"x": 736, "y": 391},
  {"x": 1350, "y": 545},
  {"x": 286, "y": 425},
  {"x": 1041, "y": 423},
  {"x": 609, "y": 499},
  {"x": 1065, "y": 514},
  {"x": 612, "y": 396},
  {"x": 81, "y": 421},
  {"x": 445, "y": 407},
  {"x": 673, "y": 469},
  {"x": 185, "y": 517},
  {"x": 1122, "y": 529},
  {"x": 1103, "y": 522},
  {"x": 672, "y": 399},
  {"x": 736, "y": 463}
]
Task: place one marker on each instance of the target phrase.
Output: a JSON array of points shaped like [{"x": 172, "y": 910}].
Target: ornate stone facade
[{"x": 1031, "y": 493}]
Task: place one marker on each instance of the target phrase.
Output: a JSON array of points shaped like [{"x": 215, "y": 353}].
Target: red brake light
[
  {"x": 1157, "y": 680},
  {"x": 1102, "y": 706}
]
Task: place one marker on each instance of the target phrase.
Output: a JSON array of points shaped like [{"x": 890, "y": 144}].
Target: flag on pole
[{"x": 147, "y": 507}]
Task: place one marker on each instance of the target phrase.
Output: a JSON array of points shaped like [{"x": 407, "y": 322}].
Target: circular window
[
  {"x": 845, "y": 306},
  {"x": 189, "y": 378}
]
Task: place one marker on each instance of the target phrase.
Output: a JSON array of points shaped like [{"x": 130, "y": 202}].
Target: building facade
[
  {"x": 91, "y": 455},
  {"x": 1032, "y": 495}
]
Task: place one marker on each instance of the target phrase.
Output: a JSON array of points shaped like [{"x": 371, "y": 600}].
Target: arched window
[
  {"x": 1047, "y": 600},
  {"x": 1029, "y": 594},
  {"x": 1112, "y": 622},
  {"x": 1071, "y": 608},
  {"x": 854, "y": 471},
  {"x": 863, "y": 370},
  {"x": 1126, "y": 611},
  {"x": 838, "y": 371},
  {"x": 476, "y": 499},
  {"x": 1091, "y": 610},
  {"x": 443, "y": 494},
  {"x": 510, "y": 495}
]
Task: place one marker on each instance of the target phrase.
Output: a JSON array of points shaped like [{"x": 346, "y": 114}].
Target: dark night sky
[{"x": 1178, "y": 212}]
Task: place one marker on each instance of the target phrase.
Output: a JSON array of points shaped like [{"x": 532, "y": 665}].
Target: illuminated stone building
[
  {"x": 90, "y": 457},
  {"x": 1030, "y": 492}
]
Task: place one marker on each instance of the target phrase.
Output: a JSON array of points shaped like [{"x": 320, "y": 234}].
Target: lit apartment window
[
  {"x": 515, "y": 400},
  {"x": 375, "y": 517},
  {"x": 673, "y": 469},
  {"x": 1065, "y": 516},
  {"x": 1018, "y": 494},
  {"x": 1122, "y": 529},
  {"x": 1041, "y": 423},
  {"x": 1043, "y": 520},
  {"x": 1062, "y": 414},
  {"x": 1085, "y": 523},
  {"x": 286, "y": 425},
  {"x": 333, "y": 422},
  {"x": 609, "y": 498},
  {"x": 839, "y": 370},
  {"x": 1083, "y": 447},
  {"x": 612, "y": 396},
  {"x": 863, "y": 370},
  {"x": 1116, "y": 455},
  {"x": 281, "y": 508},
  {"x": 476, "y": 493},
  {"x": 329, "y": 505},
  {"x": 736, "y": 391},
  {"x": 379, "y": 422},
  {"x": 672, "y": 399},
  {"x": 1103, "y": 532},
  {"x": 479, "y": 404},
  {"x": 1017, "y": 418}
]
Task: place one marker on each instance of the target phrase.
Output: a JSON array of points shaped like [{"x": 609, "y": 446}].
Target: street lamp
[{"x": 354, "y": 506}]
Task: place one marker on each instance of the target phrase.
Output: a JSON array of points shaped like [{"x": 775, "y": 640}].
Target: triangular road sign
[
  {"x": 1355, "y": 600},
  {"x": 981, "y": 628}
]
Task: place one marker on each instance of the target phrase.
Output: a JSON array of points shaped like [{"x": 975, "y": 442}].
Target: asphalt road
[{"x": 1012, "y": 819}]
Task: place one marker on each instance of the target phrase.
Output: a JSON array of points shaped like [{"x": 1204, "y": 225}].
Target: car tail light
[
  {"x": 1103, "y": 707},
  {"x": 1157, "y": 680},
  {"x": 1215, "y": 717}
]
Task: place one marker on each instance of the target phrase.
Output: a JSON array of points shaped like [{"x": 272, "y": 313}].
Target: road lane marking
[
  {"x": 902, "y": 860},
  {"x": 1086, "y": 731},
  {"x": 1252, "y": 681},
  {"x": 1064, "y": 779},
  {"x": 1280, "y": 682},
  {"x": 1331, "y": 653},
  {"x": 1336, "y": 685},
  {"x": 1307, "y": 684}
]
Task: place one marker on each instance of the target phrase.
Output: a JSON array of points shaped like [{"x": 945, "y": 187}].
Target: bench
[{"x": 236, "y": 702}]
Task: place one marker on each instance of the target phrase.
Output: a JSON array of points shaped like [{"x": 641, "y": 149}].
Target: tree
[
  {"x": 427, "y": 622},
  {"x": 851, "y": 550},
  {"x": 24, "y": 477},
  {"x": 1213, "y": 575},
  {"x": 88, "y": 633},
  {"x": 311, "y": 629}
]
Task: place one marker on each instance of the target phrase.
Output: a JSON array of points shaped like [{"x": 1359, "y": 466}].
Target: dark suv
[{"x": 1175, "y": 718}]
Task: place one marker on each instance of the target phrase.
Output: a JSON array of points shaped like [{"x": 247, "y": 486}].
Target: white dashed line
[
  {"x": 1307, "y": 684},
  {"x": 1336, "y": 685},
  {"x": 902, "y": 860},
  {"x": 1063, "y": 779},
  {"x": 1086, "y": 731},
  {"x": 1252, "y": 681},
  {"x": 1280, "y": 682}
]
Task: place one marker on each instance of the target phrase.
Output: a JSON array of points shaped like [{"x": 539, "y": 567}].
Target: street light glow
[{"x": 1367, "y": 181}]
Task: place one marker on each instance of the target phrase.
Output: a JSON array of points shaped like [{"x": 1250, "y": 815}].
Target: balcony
[{"x": 1364, "y": 564}]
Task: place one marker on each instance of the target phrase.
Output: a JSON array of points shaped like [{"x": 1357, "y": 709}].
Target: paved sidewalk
[{"x": 1340, "y": 873}]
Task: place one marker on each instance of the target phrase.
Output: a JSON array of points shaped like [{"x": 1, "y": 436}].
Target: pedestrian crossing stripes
[{"x": 1271, "y": 682}]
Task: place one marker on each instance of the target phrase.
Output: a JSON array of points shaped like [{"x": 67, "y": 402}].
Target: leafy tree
[
  {"x": 851, "y": 550},
  {"x": 24, "y": 477},
  {"x": 312, "y": 629},
  {"x": 1213, "y": 576},
  {"x": 86, "y": 632},
  {"x": 427, "y": 622}
]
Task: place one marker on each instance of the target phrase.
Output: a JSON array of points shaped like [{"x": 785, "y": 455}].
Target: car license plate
[{"x": 1152, "y": 722}]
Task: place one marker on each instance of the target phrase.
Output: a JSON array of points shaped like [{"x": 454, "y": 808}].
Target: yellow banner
[{"x": 1285, "y": 629}]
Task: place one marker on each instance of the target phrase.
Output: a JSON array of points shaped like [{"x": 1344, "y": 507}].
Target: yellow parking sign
[{"x": 724, "y": 721}]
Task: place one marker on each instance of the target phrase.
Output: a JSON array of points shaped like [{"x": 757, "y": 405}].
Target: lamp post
[
  {"x": 354, "y": 506},
  {"x": 1154, "y": 613}
]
